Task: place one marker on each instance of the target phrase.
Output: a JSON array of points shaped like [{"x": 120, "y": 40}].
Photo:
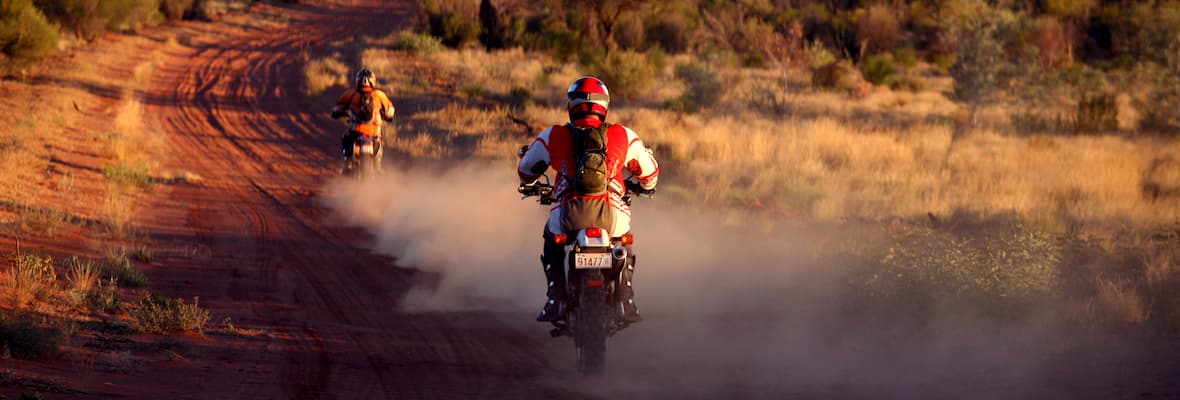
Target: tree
[
  {"x": 978, "y": 33},
  {"x": 599, "y": 18}
]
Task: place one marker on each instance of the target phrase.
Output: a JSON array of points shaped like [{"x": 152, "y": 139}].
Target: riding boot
[
  {"x": 625, "y": 294},
  {"x": 551, "y": 261},
  {"x": 346, "y": 143},
  {"x": 380, "y": 143}
]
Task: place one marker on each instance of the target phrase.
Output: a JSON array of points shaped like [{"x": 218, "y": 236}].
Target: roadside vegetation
[
  {"x": 1005, "y": 157},
  {"x": 77, "y": 161}
]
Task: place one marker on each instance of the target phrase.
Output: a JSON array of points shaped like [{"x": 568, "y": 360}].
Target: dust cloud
[{"x": 732, "y": 311}]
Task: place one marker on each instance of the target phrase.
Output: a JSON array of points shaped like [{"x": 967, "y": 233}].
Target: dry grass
[
  {"x": 774, "y": 145},
  {"x": 325, "y": 73},
  {"x": 118, "y": 211},
  {"x": 1120, "y": 302},
  {"x": 30, "y": 277},
  {"x": 821, "y": 155},
  {"x": 83, "y": 276}
]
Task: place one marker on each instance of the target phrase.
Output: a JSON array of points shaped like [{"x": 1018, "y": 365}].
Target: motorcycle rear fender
[{"x": 602, "y": 242}]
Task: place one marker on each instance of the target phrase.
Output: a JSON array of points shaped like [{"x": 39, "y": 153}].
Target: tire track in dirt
[{"x": 230, "y": 109}]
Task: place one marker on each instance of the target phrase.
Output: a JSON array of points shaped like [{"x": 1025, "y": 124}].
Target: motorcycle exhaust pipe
[{"x": 619, "y": 252}]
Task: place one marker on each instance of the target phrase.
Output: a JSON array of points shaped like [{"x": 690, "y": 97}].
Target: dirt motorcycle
[
  {"x": 594, "y": 258},
  {"x": 366, "y": 155}
]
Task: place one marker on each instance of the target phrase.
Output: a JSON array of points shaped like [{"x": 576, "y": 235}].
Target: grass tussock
[
  {"x": 159, "y": 314},
  {"x": 118, "y": 266},
  {"x": 30, "y": 277},
  {"x": 83, "y": 279},
  {"x": 41, "y": 221},
  {"x": 325, "y": 73},
  {"x": 118, "y": 211}
]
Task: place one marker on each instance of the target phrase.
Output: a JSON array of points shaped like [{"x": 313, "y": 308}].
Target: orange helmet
[{"x": 587, "y": 95}]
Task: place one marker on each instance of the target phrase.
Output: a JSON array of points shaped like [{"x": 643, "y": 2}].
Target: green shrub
[
  {"x": 628, "y": 74},
  {"x": 879, "y": 69},
  {"x": 818, "y": 55},
  {"x": 1096, "y": 114},
  {"x": 127, "y": 174},
  {"x": 670, "y": 32},
  {"x": 82, "y": 17},
  {"x": 119, "y": 267},
  {"x": 130, "y": 15},
  {"x": 24, "y": 339},
  {"x": 25, "y": 34},
  {"x": 703, "y": 89},
  {"x": 1012, "y": 266},
  {"x": 159, "y": 314},
  {"x": 105, "y": 297},
  {"x": 418, "y": 43},
  {"x": 175, "y": 9}
]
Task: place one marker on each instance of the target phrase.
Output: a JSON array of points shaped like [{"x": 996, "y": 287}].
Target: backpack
[
  {"x": 364, "y": 110},
  {"x": 589, "y": 175}
]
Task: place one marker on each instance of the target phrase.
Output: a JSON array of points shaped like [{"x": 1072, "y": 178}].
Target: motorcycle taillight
[{"x": 594, "y": 232}]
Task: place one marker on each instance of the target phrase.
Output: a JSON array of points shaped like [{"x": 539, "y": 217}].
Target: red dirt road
[{"x": 322, "y": 308}]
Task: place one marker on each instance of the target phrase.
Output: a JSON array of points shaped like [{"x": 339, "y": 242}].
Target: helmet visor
[{"x": 587, "y": 96}]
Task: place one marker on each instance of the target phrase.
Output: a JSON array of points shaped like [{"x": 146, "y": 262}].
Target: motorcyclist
[
  {"x": 367, "y": 109},
  {"x": 588, "y": 100}
]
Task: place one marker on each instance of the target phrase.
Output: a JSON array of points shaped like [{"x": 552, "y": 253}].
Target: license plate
[
  {"x": 367, "y": 148},
  {"x": 592, "y": 260}
]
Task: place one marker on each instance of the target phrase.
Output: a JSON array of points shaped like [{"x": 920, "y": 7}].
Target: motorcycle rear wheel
[{"x": 591, "y": 324}]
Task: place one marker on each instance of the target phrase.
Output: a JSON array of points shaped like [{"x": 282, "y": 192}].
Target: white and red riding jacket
[{"x": 554, "y": 149}]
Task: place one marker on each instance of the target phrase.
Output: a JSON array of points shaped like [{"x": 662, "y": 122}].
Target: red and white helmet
[{"x": 587, "y": 95}]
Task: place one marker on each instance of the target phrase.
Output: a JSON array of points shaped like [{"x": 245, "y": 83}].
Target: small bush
[
  {"x": 142, "y": 254},
  {"x": 818, "y": 55},
  {"x": 45, "y": 221},
  {"x": 159, "y": 314},
  {"x": 455, "y": 30},
  {"x": 124, "y": 173},
  {"x": 1007, "y": 268},
  {"x": 119, "y": 267},
  {"x": 418, "y": 43},
  {"x": 703, "y": 89},
  {"x": 670, "y": 32},
  {"x": 31, "y": 277},
  {"x": 1097, "y": 114},
  {"x": 24, "y": 339},
  {"x": 175, "y": 9},
  {"x": 82, "y": 17},
  {"x": 325, "y": 73},
  {"x": 106, "y": 296},
  {"x": 83, "y": 276},
  {"x": 627, "y": 74},
  {"x": 838, "y": 75},
  {"x": 130, "y": 15},
  {"x": 25, "y": 34},
  {"x": 879, "y": 69}
]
